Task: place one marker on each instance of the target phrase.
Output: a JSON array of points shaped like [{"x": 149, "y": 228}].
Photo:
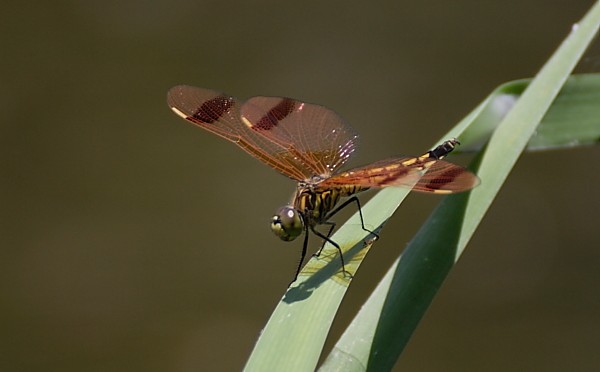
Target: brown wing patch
[
  {"x": 298, "y": 139},
  {"x": 314, "y": 135}
]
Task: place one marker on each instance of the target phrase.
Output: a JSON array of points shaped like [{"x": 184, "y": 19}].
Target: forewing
[
  {"x": 420, "y": 174},
  {"x": 313, "y": 135},
  {"x": 220, "y": 114}
]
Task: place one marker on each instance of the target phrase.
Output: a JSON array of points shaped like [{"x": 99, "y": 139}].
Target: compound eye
[{"x": 287, "y": 224}]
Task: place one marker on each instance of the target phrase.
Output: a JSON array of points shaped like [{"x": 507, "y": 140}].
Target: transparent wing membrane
[{"x": 298, "y": 139}]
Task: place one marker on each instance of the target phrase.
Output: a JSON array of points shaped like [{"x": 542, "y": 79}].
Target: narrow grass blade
[
  {"x": 382, "y": 328},
  {"x": 294, "y": 335},
  {"x": 574, "y": 118}
]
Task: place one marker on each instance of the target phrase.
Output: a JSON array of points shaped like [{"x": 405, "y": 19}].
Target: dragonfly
[{"x": 310, "y": 143}]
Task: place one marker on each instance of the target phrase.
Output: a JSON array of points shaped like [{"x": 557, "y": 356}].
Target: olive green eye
[{"x": 287, "y": 224}]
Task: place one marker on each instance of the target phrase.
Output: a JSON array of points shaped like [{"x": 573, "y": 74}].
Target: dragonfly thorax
[
  {"x": 314, "y": 180},
  {"x": 309, "y": 207}
]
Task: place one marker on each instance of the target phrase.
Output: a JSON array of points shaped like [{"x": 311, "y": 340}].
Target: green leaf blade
[
  {"x": 295, "y": 334},
  {"x": 412, "y": 281}
]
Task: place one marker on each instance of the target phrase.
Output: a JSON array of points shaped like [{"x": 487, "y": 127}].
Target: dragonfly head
[{"x": 287, "y": 223}]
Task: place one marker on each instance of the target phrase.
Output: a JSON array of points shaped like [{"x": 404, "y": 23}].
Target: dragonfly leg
[
  {"x": 336, "y": 245},
  {"x": 352, "y": 199},
  {"x": 304, "y": 249},
  {"x": 331, "y": 227}
]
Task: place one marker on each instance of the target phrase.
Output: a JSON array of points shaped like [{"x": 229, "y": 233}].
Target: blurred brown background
[{"x": 132, "y": 241}]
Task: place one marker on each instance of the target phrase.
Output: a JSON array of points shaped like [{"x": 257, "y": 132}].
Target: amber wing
[
  {"x": 298, "y": 139},
  {"x": 419, "y": 173}
]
